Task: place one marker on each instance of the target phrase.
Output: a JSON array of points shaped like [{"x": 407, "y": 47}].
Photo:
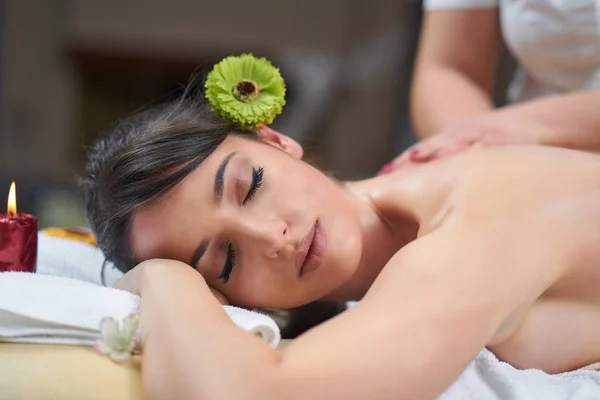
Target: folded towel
[
  {"x": 488, "y": 378},
  {"x": 59, "y": 256},
  {"x": 39, "y": 308}
]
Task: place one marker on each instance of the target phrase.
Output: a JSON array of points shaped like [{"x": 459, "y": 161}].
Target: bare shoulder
[
  {"x": 542, "y": 201},
  {"x": 520, "y": 164},
  {"x": 519, "y": 212},
  {"x": 519, "y": 184},
  {"x": 484, "y": 181}
]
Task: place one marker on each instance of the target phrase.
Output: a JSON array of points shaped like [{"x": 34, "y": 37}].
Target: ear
[{"x": 281, "y": 141}]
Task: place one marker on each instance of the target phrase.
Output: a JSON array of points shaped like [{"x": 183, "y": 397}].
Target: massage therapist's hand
[
  {"x": 156, "y": 270},
  {"x": 492, "y": 129}
]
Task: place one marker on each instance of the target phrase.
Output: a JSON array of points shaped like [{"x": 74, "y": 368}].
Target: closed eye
[
  {"x": 257, "y": 178},
  {"x": 229, "y": 264}
]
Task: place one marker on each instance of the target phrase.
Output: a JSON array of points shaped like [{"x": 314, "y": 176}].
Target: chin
[
  {"x": 319, "y": 289},
  {"x": 340, "y": 264},
  {"x": 327, "y": 285}
]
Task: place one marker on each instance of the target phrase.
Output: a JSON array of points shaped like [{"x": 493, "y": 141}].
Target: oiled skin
[{"x": 539, "y": 205}]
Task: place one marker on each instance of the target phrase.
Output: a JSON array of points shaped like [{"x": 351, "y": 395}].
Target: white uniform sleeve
[{"x": 458, "y": 4}]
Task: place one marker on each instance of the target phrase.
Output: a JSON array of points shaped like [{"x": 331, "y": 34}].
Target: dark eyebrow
[
  {"x": 199, "y": 253},
  {"x": 219, "y": 178}
]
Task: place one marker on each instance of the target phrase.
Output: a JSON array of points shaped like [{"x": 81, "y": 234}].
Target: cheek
[
  {"x": 251, "y": 285},
  {"x": 262, "y": 286}
]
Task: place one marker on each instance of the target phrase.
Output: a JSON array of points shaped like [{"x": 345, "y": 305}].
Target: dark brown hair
[{"x": 141, "y": 159}]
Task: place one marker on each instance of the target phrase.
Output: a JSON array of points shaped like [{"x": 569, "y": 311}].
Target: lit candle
[{"x": 18, "y": 238}]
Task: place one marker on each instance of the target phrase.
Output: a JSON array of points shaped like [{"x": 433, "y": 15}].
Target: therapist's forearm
[
  {"x": 192, "y": 350},
  {"x": 442, "y": 97},
  {"x": 569, "y": 120}
]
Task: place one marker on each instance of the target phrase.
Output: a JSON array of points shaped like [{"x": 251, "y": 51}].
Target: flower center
[{"x": 246, "y": 91}]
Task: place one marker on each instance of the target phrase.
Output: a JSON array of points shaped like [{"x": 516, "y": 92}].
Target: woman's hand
[
  {"x": 135, "y": 280},
  {"x": 492, "y": 129}
]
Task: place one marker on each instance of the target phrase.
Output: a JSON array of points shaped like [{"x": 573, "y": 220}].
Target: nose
[{"x": 269, "y": 237}]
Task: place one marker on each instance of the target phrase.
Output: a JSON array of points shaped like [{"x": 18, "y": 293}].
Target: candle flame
[{"x": 12, "y": 200}]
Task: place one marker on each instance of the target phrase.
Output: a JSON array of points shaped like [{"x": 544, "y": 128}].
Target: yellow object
[
  {"x": 12, "y": 200},
  {"x": 51, "y": 372},
  {"x": 78, "y": 234}
]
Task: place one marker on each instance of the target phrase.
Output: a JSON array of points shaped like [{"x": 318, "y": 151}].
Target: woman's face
[{"x": 260, "y": 225}]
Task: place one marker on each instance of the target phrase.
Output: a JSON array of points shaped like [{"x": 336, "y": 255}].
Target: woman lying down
[{"x": 496, "y": 248}]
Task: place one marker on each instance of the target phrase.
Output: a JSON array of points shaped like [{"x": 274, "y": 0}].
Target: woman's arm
[
  {"x": 568, "y": 120},
  {"x": 455, "y": 67},
  {"x": 191, "y": 348},
  {"x": 426, "y": 317}
]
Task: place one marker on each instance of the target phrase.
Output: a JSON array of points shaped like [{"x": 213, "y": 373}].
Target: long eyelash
[
  {"x": 229, "y": 264},
  {"x": 257, "y": 178}
]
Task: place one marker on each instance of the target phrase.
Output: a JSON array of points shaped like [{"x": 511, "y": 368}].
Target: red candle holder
[{"x": 18, "y": 238}]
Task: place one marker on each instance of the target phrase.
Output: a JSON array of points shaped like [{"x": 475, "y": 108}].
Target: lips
[
  {"x": 311, "y": 251},
  {"x": 304, "y": 248}
]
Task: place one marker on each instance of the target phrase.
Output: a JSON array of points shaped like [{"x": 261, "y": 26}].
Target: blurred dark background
[{"x": 70, "y": 68}]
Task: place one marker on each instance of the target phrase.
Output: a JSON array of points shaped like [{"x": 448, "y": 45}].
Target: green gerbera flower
[{"x": 246, "y": 90}]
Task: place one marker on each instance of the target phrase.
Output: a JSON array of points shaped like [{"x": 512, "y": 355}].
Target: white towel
[
  {"x": 73, "y": 259},
  {"x": 488, "y": 378},
  {"x": 38, "y": 308}
]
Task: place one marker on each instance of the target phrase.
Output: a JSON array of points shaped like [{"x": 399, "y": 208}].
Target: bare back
[{"x": 535, "y": 205}]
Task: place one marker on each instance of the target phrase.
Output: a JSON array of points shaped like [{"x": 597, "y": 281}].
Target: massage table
[{"x": 62, "y": 372}]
